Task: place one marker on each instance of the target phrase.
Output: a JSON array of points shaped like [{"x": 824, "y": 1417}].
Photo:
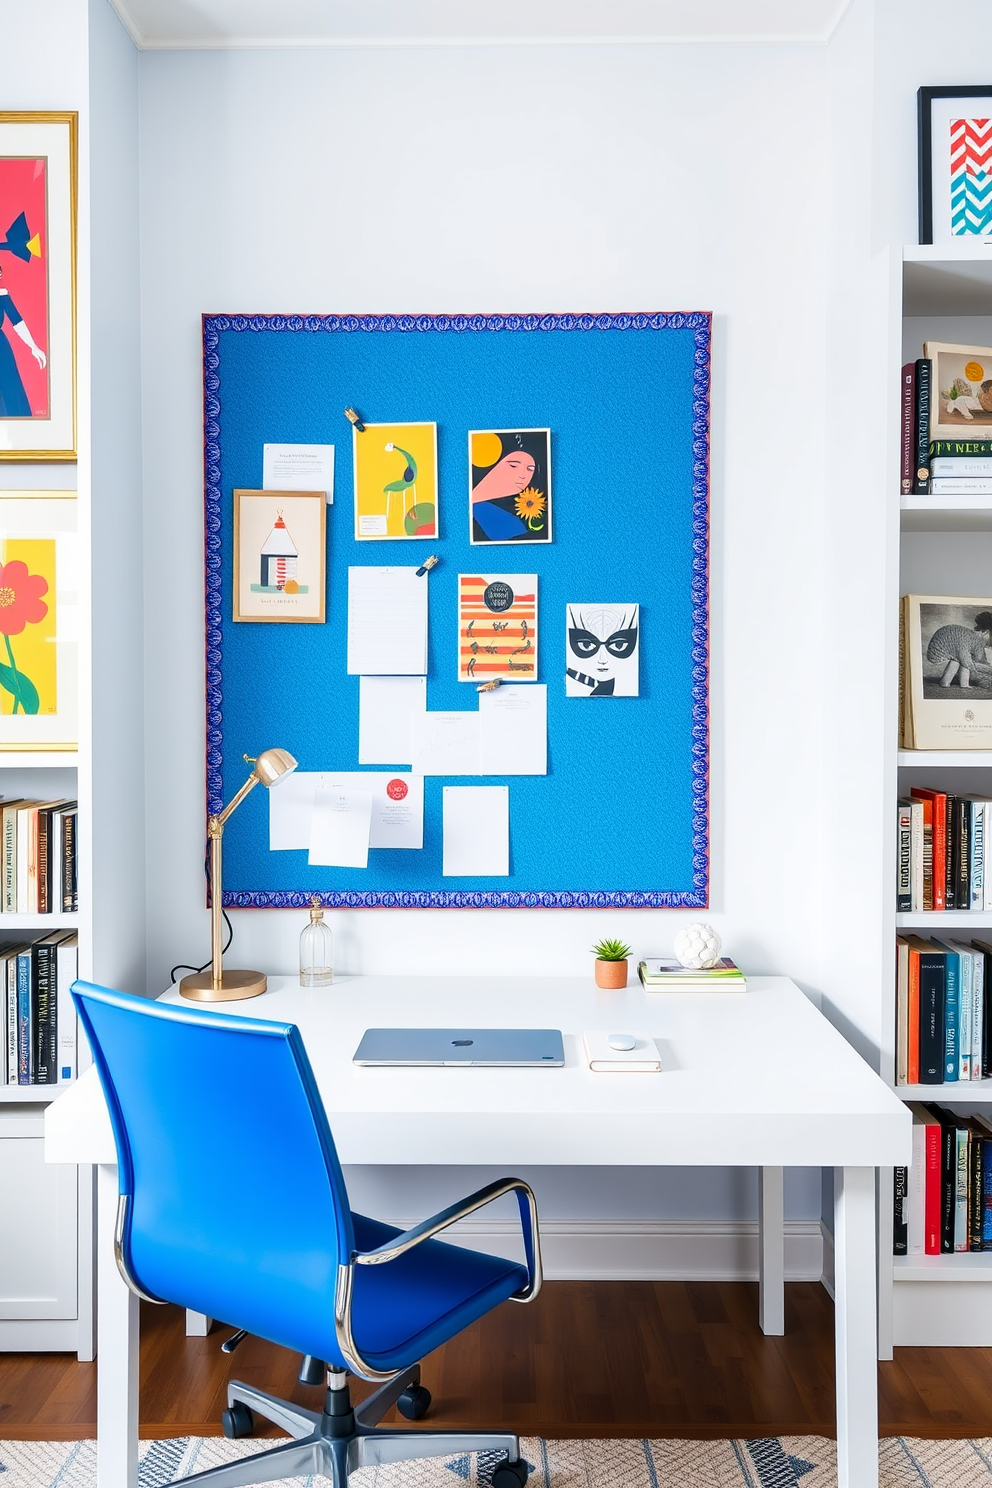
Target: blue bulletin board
[{"x": 621, "y": 816}]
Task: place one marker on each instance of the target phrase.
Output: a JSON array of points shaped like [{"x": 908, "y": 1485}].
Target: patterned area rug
[{"x": 770, "y": 1462}]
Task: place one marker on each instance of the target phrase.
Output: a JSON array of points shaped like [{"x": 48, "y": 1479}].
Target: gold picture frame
[
  {"x": 40, "y": 580},
  {"x": 38, "y": 224},
  {"x": 280, "y": 557}
]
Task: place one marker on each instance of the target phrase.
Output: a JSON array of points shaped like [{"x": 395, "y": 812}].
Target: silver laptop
[{"x": 492, "y": 1047}]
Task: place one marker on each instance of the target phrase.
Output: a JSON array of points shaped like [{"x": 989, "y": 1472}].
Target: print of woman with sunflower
[{"x": 510, "y": 485}]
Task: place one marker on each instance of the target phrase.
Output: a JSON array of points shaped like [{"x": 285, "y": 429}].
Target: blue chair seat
[{"x": 402, "y": 1310}]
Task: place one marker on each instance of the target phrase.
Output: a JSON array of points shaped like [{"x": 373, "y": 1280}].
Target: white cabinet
[{"x": 39, "y": 1251}]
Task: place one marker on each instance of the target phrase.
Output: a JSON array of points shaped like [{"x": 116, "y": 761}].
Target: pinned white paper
[
  {"x": 476, "y": 831},
  {"x": 386, "y": 708},
  {"x": 513, "y": 730},
  {"x": 340, "y": 827},
  {"x": 446, "y": 744},
  {"x": 397, "y": 807},
  {"x": 298, "y": 467},
  {"x": 387, "y": 622}
]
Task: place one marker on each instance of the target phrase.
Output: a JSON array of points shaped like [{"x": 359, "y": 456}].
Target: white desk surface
[{"x": 758, "y": 1077}]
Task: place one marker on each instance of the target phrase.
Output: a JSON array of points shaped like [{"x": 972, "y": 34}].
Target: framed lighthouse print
[
  {"x": 37, "y": 286},
  {"x": 280, "y": 556}
]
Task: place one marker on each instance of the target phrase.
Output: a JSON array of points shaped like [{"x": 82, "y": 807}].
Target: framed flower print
[{"x": 39, "y": 620}]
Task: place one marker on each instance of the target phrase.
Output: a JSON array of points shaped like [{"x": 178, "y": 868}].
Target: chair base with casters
[{"x": 342, "y": 1438}]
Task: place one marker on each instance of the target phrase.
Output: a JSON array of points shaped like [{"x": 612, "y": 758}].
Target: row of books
[
  {"x": 939, "y": 467},
  {"x": 37, "y": 1016},
  {"x": 659, "y": 974},
  {"x": 943, "y": 1012},
  {"x": 38, "y": 868},
  {"x": 943, "y": 1201},
  {"x": 940, "y": 851}
]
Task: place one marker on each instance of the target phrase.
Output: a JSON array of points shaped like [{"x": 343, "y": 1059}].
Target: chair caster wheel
[
  {"x": 511, "y": 1474},
  {"x": 414, "y": 1402},
  {"x": 237, "y": 1420}
]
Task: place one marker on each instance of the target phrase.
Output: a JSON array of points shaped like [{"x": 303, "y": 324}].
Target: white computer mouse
[{"x": 622, "y": 1042}]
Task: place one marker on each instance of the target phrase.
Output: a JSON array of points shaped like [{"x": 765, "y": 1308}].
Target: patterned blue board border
[{"x": 699, "y": 322}]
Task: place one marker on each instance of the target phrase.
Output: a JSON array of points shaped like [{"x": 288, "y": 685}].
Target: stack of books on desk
[{"x": 659, "y": 975}]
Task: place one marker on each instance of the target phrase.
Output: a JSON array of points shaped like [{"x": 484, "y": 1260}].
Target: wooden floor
[{"x": 671, "y": 1359}]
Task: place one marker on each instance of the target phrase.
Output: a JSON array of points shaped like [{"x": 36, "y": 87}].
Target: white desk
[{"x": 755, "y": 1079}]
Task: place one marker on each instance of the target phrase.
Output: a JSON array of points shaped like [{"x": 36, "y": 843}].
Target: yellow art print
[
  {"x": 395, "y": 481},
  {"x": 28, "y": 679}
]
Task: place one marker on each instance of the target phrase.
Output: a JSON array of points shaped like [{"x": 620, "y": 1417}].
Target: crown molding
[{"x": 149, "y": 38}]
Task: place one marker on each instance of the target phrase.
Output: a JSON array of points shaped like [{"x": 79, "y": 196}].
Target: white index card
[
  {"x": 397, "y": 806},
  {"x": 386, "y": 706},
  {"x": 298, "y": 467},
  {"x": 340, "y": 827},
  {"x": 446, "y": 744},
  {"x": 387, "y": 622},
  {"x": 476, "y": 831},
  {"x": 513, "y": 730}
]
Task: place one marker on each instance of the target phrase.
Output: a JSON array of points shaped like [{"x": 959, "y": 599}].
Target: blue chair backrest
[{"x": 237, "y": 1205}]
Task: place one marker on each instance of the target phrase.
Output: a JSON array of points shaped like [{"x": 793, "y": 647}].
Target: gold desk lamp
[{"x": 218, "y": 985}]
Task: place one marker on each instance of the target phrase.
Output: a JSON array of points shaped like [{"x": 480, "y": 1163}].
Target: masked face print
[{"x": 601, "y": 650}]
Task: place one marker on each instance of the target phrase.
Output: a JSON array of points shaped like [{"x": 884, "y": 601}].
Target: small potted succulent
[{"x": 611, "y": 963}]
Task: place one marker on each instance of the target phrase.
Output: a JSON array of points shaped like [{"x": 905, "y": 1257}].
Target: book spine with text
[
  {"x": 933, "y": 984},
  {"x": 900, "y": 1211},
  {"x": 980, "y": 449},
  {"x": 962, "y": 852},
  {"x": 934, "y": 1195},
  {"x": 67, "y": 965},
  {"x": 24, "y": 1051},
  {"x": 913, "y": 1019},
  {"x": 976, "y": 865},
  {"x": 977, "y": 1013},
  {"x": 952, "y": 1016},
  {"x": 975, "y": 1206},
  {"x": 961, "y": 1190},
  {"x": 904, "y": 858},
  {"x": 10, "y": 992},
  {"x": 921, "y": 474},
  {"x": 44, "y": 829},
  {"x": 70, "y": 900},
  {"x": 987, "y": 1195},
  {"x": 908, "y": 448},
  {"x": 917, "y": 854},
  {"x": 9, "y": 860},
  {"x": 43, "y": 1005},
  {"x": 916, "y": 1238}
]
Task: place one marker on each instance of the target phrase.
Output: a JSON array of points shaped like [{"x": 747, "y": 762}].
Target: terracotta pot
[{"x": 611, "y": 974}]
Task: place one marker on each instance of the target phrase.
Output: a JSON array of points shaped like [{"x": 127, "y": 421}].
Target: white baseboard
[
  {"x": 39, "y": 1335},
  {"x": 651, "y": 1250}
]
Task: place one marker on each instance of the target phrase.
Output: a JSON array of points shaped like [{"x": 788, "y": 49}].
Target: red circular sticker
[{"x": 397, "y": 789}]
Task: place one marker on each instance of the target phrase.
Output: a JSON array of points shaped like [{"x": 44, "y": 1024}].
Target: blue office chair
[{"x": 232, "y": 1203}]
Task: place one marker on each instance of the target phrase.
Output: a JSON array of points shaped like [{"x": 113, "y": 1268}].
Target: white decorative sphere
[{"x": 697, "y": 946}]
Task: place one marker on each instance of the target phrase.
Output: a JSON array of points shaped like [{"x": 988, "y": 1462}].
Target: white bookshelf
[{"x": 942, "y": 546}]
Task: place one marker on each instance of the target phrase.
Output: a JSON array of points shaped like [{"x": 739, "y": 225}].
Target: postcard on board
[
  {"x": 279, "y": 555},
  {"x": 395, "y": 481},
  {"x": 602, "y": 650},
  {"x": 509, "y": 485},
  {"x": 497, "y": 627}
]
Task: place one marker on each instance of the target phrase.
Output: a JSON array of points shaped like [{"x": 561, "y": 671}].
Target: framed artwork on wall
[
  {"x": 955, "y": 163},
  {"x": 39, "y": 620},
  {"x": 279, "y": 556},
  {"x": 37, "y": 286}
]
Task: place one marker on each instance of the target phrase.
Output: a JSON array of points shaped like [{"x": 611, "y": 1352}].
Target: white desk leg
[
  {"x": 117, "y": 1352},
  {"x": 855, "y": 1327},
  {"x": 197, "y": 1325},
  {"x": 886, "y": 1199},
  {"x": 771, "y": 1251}
]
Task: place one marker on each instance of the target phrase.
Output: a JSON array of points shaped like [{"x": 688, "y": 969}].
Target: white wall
[
  {"x": 268, "y": 182},
  {"x": 118, "y": 722}
]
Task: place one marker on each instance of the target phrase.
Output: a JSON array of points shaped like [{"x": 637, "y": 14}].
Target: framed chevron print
[{"x": 955, "y": 163}]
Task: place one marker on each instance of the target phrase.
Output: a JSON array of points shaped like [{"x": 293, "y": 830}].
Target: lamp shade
[{"x": 274, "y": 765}]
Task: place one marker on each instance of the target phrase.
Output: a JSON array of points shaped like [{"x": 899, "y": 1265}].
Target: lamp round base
[{"x": 235, "y": 986}]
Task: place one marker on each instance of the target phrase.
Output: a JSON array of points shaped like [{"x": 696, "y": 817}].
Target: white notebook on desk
[{"x": 642, "y": 1059}]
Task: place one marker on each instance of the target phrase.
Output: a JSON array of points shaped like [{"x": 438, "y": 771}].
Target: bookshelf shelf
[
  {"x": 932, "y": 919},
  {"x": 960, "y": 759},
  {"x": 29, "y": 1095},
  {"x": 966, "y": 1266},
  {"x": 955, "y": 1093},
  {"x": 10, "y": 922}
]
